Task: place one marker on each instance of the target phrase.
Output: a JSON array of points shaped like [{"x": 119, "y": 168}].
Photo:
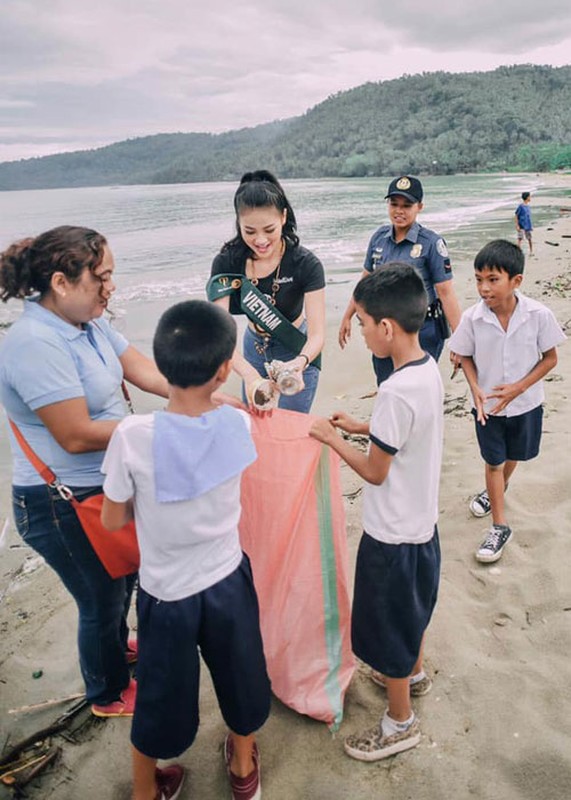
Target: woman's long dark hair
[
  {"x": 27, "y": 266},
  {"x": 261, "y": 189}
]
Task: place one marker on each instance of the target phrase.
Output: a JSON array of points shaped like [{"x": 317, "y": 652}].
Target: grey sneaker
[
  {"x": 480, "y": 504},
  {"x": 417, "y": 689},
  {"x": 373, "y": 745},
  {"x": 492, "y": 547}
]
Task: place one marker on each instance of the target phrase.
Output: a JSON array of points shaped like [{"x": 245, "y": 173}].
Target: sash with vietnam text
[{"x": 259, "y": 310}]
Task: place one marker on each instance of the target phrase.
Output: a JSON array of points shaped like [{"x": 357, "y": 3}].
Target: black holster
[{"x": 436, "y": 312}]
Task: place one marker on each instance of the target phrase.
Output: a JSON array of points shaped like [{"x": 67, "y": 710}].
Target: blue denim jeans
[
  {"x": 49, "y": 525},
  {"x": 430, "y": 341},
  {"x": 273, "y": 349}
]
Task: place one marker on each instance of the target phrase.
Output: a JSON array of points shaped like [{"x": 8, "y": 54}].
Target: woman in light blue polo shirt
[{"x": 61, "y": 368}]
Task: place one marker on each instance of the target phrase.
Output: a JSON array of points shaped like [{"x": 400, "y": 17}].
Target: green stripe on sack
[{"x": 329, "y": 577}]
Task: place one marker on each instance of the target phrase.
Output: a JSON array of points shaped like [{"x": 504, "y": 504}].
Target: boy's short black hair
[
  {"x": 192, "y": 341},
  {"x": 525, "y": 196},
  {"x": 502, "y": 256},
  {"x": 395, "y": 291}
]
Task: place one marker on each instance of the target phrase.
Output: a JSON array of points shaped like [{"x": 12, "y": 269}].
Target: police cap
[{"x": 408, "y": 187}]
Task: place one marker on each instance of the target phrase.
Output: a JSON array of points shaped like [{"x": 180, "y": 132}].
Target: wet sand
[{"x": 496, "y": 724}]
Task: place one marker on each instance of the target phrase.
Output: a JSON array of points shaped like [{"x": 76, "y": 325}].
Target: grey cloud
[
  {"x": 506, "y": 26},
  {"x": 76, "y": 73},
  {"x": 25, "y": 46}
]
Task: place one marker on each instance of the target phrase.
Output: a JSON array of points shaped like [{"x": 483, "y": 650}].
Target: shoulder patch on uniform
[{"x": 441, "y": 248}]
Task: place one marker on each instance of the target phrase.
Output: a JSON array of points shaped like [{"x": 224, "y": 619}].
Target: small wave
[
  {"x": 159, "y": 291},
  {"x": 457, "y": 217},
  {"x": 338, "y": 251}
]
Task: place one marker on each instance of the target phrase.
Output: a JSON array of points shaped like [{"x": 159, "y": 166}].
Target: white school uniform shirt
[
  {"x": 185, "y": 546},
  {"x": 407, "y": 422},
  {"x": 507, "y": 356}
]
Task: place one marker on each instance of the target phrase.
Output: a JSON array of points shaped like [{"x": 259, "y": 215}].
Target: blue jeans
[
  {"x": 275, "y": 350},
  {"x": 430, "y": 341},
  {"x": 49, "y": 525}
]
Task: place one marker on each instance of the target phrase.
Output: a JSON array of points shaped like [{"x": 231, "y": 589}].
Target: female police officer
[{"x": 404, "y": 239}]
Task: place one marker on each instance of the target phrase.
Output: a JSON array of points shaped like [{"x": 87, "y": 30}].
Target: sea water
[{"x": 165, "y": 237}]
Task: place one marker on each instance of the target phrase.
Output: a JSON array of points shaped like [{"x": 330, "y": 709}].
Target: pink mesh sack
[{"x": 293, "y": 530}]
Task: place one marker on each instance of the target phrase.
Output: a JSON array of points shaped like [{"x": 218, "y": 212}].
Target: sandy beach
[{"x": 497, "y": 722}]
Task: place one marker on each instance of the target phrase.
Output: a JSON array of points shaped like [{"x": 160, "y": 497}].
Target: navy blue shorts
[
  {"x": 223, "y": 621},
  {"x": 396, "y": 586},
  {"x": 510, "y": 438}
]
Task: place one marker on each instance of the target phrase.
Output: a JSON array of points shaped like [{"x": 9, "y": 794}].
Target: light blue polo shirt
[
  {"x": 45, "y": 360},
  {"x": 421, "y": 247}
]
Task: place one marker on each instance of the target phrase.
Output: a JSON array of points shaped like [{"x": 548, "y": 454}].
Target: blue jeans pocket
[{"x": 20, "y": 511}]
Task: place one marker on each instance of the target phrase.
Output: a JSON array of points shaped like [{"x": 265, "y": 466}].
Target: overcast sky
[{"x": 76, "y": 74}]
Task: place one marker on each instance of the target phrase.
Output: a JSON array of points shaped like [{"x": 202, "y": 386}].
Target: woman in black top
[{"x": 267, "y": 251}]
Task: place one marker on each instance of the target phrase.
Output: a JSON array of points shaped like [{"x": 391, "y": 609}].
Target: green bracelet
[{"x": 303, "y": 355}]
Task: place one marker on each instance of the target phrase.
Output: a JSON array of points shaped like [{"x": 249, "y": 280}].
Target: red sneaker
[
  {"x": 132, "y": 651},
  {"x": 250, "y": 787},
  {"x": 124, "y": 707},
  {"x": 169, "y": 780}
]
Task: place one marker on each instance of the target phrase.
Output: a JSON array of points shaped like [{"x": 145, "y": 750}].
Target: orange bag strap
[
  {"x": 46, "y": 473},
  {"x": 127, "y": 397}
]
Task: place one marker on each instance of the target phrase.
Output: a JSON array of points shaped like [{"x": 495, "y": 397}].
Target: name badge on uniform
[
  {"x": 376, "y": 257},
  {"x": 415, "y": 250}
]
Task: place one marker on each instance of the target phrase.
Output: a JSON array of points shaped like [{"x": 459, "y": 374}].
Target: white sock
[
  {"x": 390, "y": 726},
  {"x": 418, "y": 677}
]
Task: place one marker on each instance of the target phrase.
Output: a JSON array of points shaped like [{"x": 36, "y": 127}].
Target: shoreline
[{"x": 494, "y": 724}]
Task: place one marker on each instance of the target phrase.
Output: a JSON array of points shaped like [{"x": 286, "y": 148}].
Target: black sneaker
[
  {"x": 492, "y": 547},
  {"x": 480, "y": 505}
]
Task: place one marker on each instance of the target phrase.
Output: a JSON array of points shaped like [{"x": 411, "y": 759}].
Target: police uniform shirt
[{"x": 421, "y": 247}]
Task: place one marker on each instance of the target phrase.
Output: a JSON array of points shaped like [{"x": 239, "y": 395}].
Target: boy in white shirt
[
  {"x": 178, "y": 473},
  {"x": 507, "y": 343},
  {"x": 398, "y": 563}
]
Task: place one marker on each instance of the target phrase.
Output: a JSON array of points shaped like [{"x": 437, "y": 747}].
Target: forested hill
[{"x": 512, "y": 118}]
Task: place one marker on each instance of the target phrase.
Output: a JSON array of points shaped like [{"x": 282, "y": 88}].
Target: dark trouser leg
[{"x": 50, "y": 526}]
